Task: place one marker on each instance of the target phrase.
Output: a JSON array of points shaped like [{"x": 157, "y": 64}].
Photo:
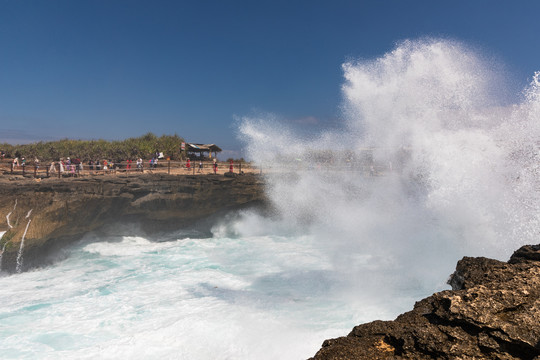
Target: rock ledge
[{"x": 50, "y": 214}]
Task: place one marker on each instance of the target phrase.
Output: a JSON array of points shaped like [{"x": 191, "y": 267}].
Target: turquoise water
[{"x": 253, "y": 297}]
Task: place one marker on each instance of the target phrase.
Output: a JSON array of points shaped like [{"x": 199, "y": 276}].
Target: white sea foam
[
  {"x": 21, "y": 246},
  {"x": 3, "y": 248},
  {"x": 214, "y": 298},
  {"x": 9, "y": 214}
]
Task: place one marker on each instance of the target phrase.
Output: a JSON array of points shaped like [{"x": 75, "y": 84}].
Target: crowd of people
[
  {"x": 74, "y": 166},
  {"x": 200, "y": 170}
]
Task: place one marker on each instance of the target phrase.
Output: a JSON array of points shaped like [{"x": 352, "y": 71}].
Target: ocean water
[
  {"x": 435, "y": 159},
  {"x": 253, "y": 297}
]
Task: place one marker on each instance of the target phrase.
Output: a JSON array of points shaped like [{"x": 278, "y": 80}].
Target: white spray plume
[{"x": 433, "y": 165}]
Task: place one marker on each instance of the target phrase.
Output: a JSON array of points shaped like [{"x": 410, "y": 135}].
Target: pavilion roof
[{"x": 203, "y": 147}]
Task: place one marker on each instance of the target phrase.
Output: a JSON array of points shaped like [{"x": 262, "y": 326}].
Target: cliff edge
[
  {"x": 492, "y": 312},
  {"x": 43, "y": 216}
]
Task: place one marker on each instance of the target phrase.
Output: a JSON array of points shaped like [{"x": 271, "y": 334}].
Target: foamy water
[
  {"x": 433, "y": 162},
  {"x": 262, "y": 297}
]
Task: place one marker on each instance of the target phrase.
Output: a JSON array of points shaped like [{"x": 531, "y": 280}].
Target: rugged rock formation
[
  {"x": 493, "y": 312},
  {"x": 50, "y": 213}
]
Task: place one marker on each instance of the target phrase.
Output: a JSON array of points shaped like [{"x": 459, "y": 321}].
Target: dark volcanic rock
[
  {"x": 56, "y": 212},
  {"x": 493, "y": 312}
]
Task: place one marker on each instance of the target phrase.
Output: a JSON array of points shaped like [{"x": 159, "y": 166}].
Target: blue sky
[{"x": 113, "y": 69}]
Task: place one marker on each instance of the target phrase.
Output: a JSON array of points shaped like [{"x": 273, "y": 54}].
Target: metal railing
[
  {"x": 182, "y": 168},
  {"x": 55, "y": 169}
]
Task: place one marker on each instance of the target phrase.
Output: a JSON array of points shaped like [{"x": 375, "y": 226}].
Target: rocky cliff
[
  {"x": 493, "y": 312},
  {"x": 48, "y": 214}
]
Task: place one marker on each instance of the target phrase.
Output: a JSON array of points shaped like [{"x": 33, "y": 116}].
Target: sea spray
[
  {"x": 21, "y": 247},
  {"x": 9, "y": 214},
  {"x": 2, "y": 233},
  {"x": 2, "y": 255},
  {"x": 3, "y": 248},
  {"x": 454, "y": 168}
]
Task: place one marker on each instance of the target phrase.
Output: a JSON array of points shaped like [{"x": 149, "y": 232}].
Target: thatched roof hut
[{"x": 199, "y": 150}]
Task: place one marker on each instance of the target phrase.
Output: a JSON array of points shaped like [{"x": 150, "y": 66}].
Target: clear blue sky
[{"x": 113, "y": 69}]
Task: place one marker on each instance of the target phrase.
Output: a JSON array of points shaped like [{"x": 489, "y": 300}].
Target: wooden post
[
  {"x": 169, "y": 168},
  {"x": 47, "y": 169},
  {"x": 59, "y": 171},
  {"x": 35, "y": 170},
  {"x": 23, "y": 169},
  {"x": 12, "y": 167}
]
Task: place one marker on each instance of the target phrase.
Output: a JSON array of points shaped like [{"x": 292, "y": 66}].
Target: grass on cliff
[{"x": 132, "y": 148}]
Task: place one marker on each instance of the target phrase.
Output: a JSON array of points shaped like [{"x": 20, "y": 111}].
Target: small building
[{"x": 202, "y": 151}]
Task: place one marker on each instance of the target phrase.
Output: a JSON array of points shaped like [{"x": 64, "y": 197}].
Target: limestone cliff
[
  {"x": 493, "y": 312},
  {"x": 51, "y": 213}
]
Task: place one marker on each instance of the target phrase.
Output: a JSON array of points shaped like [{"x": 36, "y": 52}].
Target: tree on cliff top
[{"x": 132, "y": 148}]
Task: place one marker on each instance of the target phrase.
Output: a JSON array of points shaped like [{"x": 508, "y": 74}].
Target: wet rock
[
  {"x": 65, "y": 209},
  {"x": 493, "y": 312}
]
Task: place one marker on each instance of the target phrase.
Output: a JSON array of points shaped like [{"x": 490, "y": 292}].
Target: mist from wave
[{"x": 434, "y": 162}]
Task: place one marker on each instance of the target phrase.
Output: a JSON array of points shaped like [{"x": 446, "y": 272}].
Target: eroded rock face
[
  {"x": 56, "y": 212},
  {"x": 493, "y": 312}
]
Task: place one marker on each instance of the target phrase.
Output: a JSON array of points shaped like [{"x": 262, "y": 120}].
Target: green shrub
[{"x": 144, "y": 147}]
